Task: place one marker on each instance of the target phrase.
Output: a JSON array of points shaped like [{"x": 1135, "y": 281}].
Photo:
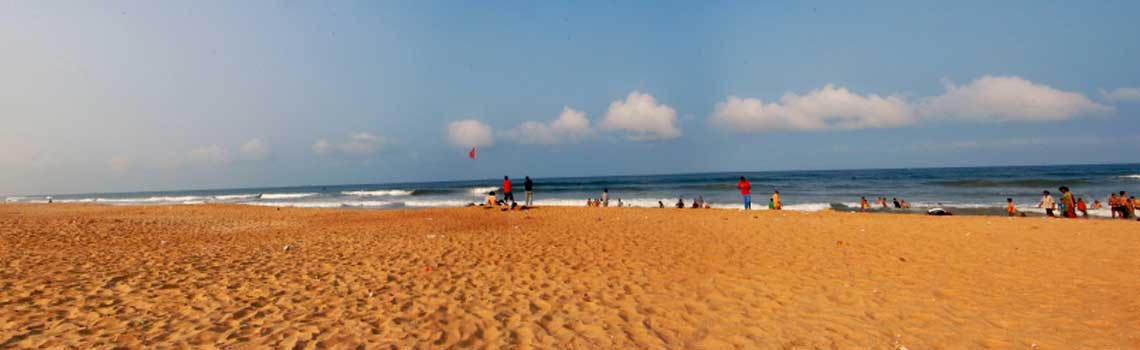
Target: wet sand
[{"x": 241, "y": 277}]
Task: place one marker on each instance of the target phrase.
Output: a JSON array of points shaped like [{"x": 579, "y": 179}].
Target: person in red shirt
[
  {"x": 1083, "y": 208},
  {"x": 507, "y": 195},
  {"x": 746, "y": 192}
]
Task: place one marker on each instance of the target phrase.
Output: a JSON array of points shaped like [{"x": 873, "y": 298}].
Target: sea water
[{"x": 967, "y": 190}]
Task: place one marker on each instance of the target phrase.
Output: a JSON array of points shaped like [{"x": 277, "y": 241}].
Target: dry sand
[{"x": 216, "y": 276}]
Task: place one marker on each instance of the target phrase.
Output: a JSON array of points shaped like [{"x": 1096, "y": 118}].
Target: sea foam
[
  {"x": 288, "y": 195},
  {"x": 481, "y": 191},
  {"x": 378, "y": 193},
  {"x": 230, "y": 197}
]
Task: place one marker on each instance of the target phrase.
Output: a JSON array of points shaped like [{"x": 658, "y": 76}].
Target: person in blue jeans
[{"x": 745, "y": 192}]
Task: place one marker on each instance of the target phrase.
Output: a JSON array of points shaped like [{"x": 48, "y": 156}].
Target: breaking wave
[
  {"x": 230, "y": 197},
  {"x": 379, "y": 193},
  {"x": 288, "y": 195}
]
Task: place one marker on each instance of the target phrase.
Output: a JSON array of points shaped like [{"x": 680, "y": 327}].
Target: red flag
[{"x": 471, "y": 154}]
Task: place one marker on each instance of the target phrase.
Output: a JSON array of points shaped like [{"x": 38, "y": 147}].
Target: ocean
[{"x": 965, "y": 190}]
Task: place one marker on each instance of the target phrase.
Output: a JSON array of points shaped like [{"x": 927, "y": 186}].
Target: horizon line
[{"x": 566, "y": 177}]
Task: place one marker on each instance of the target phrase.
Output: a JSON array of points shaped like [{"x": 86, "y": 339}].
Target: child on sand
[
  {"x": 776, "y": 200},
  {"x": 1048, "y": 203},
  {"x": 491, "y": 199},
  {"x": 863, "y": 205},
  {"x": 605, "y": 197},
  {"x": 1082, "y": 208},
  {"x": 1010, "y": 208},
  {"x": 771, "y": 204}
]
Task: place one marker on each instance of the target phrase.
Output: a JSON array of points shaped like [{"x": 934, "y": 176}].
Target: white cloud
[
  {"x": 469, "y": 133},
  {"x": 642, "y": 118},
  {"x": 572, "y": 125},
  {"x": 322, "y": 147},
  {"x": 218, "y": 155},
  {"x": 1008, "y": 98},
  {"x": 211, "y": 155},
  {"x": 1127, "y": 94},
  {"x": 361, "y": 144},
  {"x": 254, "y": 150},
  {"x": 357, "y": 144},
  {"x": 829, "y": 108}
]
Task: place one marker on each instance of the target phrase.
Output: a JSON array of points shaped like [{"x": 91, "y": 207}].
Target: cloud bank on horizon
[{"x": 640, "y": 117}]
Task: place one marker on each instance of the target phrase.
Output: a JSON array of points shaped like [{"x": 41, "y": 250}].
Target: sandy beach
[{"x": 242, "y": 277}]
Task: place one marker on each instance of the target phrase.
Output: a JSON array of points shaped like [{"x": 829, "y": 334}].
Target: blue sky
[{"x": 120, "y": 96}]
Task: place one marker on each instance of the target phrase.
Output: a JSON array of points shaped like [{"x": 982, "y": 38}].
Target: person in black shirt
[{"x": 528, "y": 186}]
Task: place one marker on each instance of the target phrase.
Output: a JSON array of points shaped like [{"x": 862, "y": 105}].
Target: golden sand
[{"x": 239, "y": 277}]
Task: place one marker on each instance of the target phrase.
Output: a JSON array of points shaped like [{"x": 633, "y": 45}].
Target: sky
[{"x": 114, "y": 96}]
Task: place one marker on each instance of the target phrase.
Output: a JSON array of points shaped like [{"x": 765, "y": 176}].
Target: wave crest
[
  {"x": 378, "y": 193},
  {"x": 481, "y": 191},
  {"x": 288, "y": 195}
]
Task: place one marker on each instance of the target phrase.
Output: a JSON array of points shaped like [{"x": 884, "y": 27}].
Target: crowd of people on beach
[
  {"x": 1120, "y": 204},
  {"x": 745, "y": 188},
  {"x": 508, "y": 201},
  {"x": 865, "y": 206}
]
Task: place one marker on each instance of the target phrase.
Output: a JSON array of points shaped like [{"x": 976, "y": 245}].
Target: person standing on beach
[
  {"x": 1048, "y": 203},
  {"x": 745, "y": 192},
  {"x": 1114, "y": 205},
  {"x": 1132, "y": 204},
  {"x": 1009, "y": 207},
  {"x": 897, "y": 204},
  {"x": 528, "y": 186},
  {"x": 776, "y": 200},
  {"x": 507, "y": 195},
  {"x": 863, "y": 205},
  {"x": 1069, "y": 202},
  {"x": 605, "y": 197},
  {"x": 1124, "y": 204}
]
